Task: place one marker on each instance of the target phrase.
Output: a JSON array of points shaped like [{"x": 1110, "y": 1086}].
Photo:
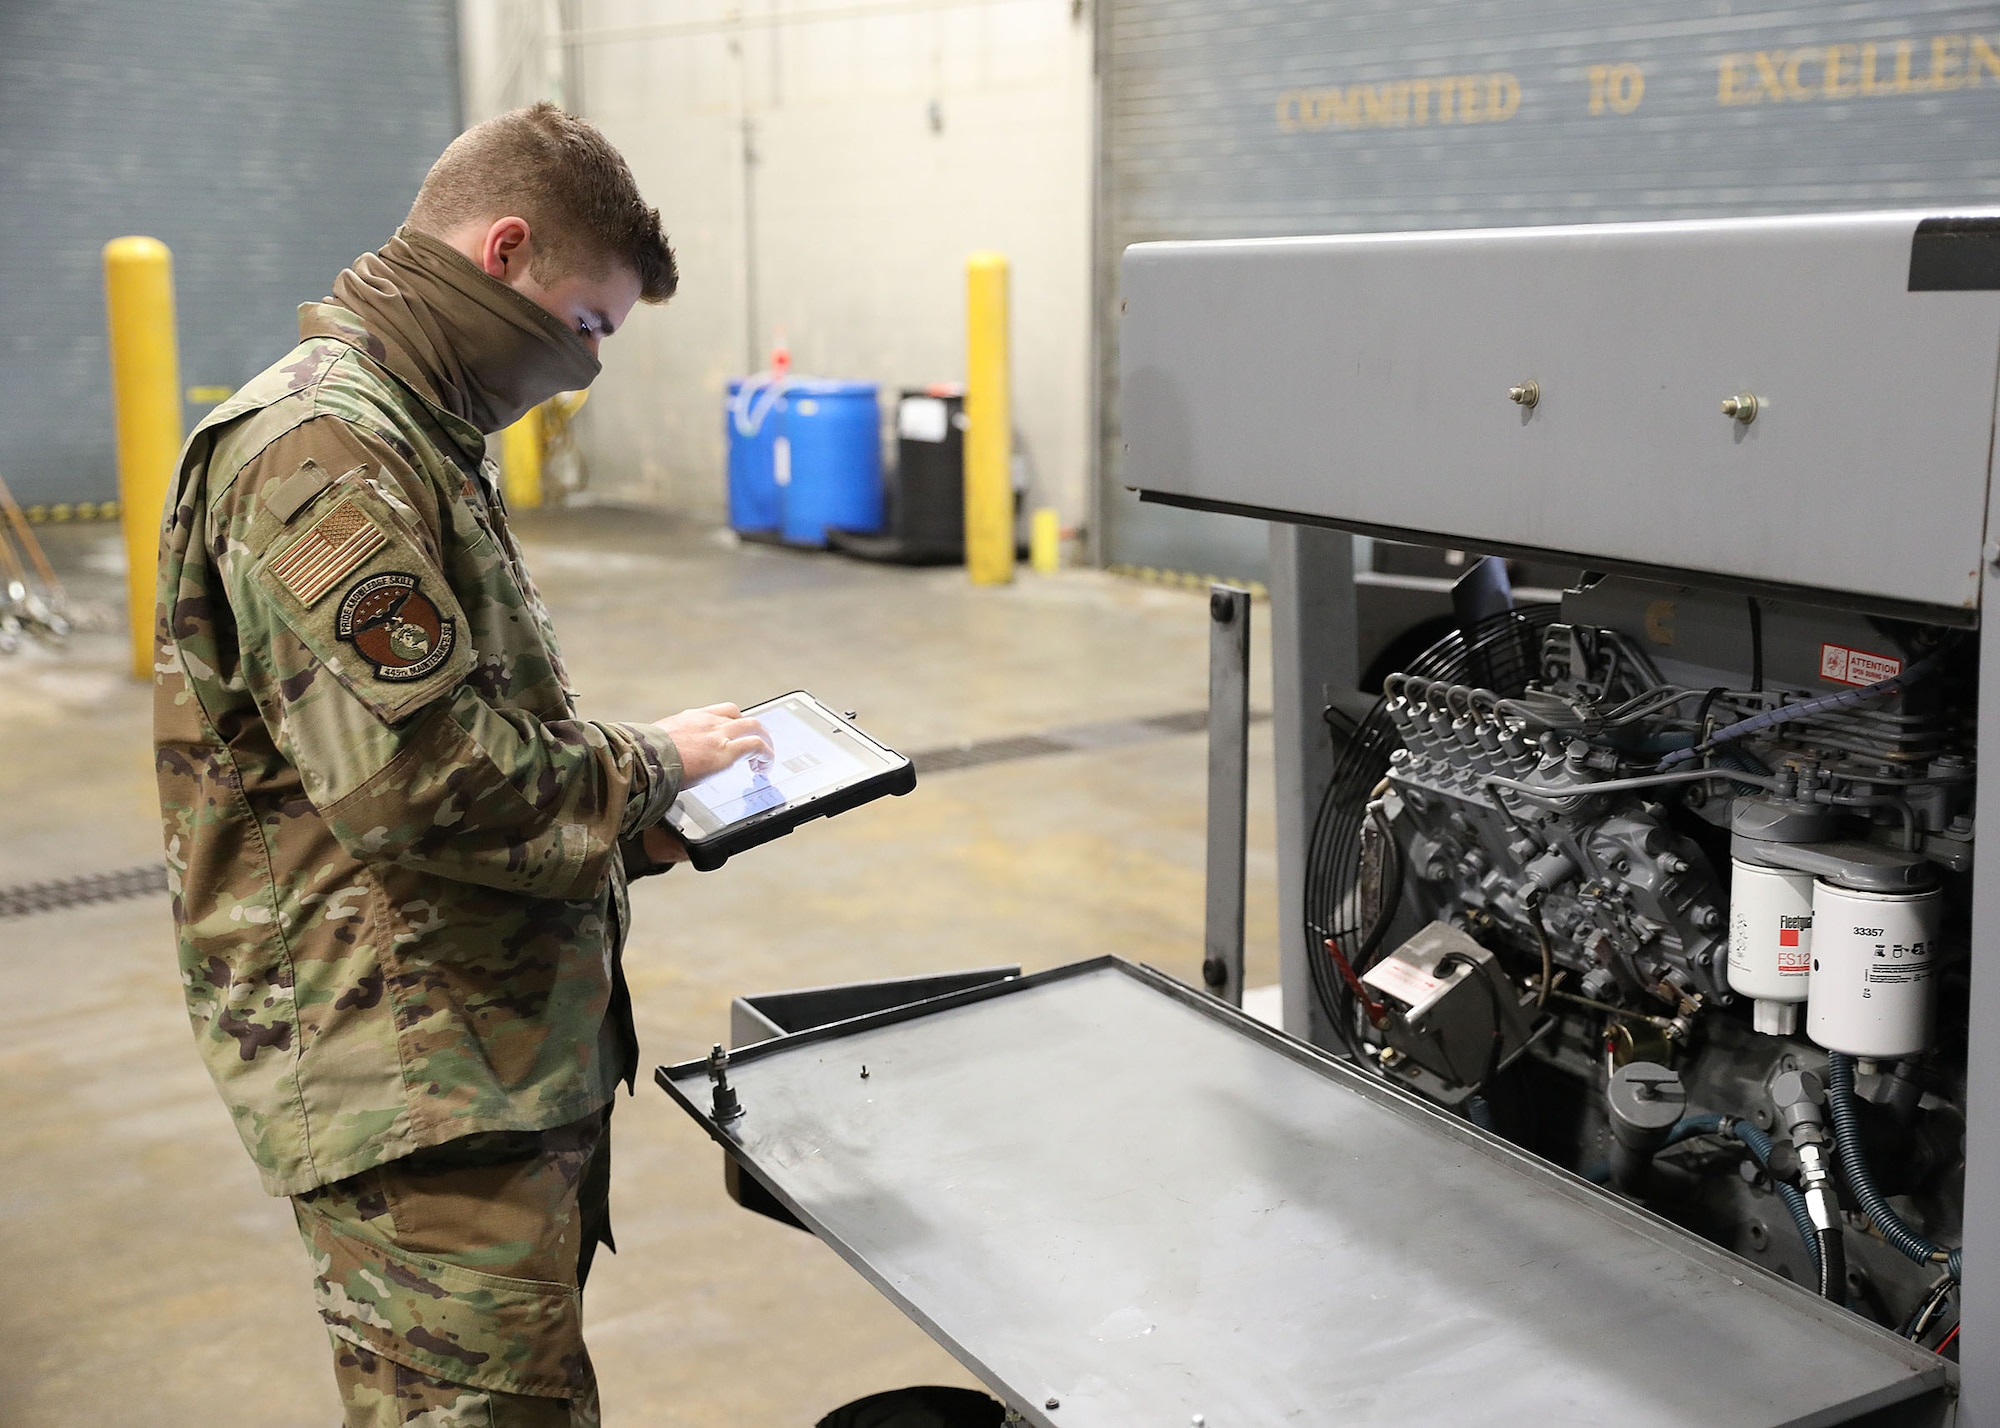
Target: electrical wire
[
  {"x": 1701, "y": 710},
  {"x": 1548, "y": 954},
  {"x": 1664, "y": 1023},
  {"x": 1919, "y": 1322},
  {"x": 1756, "y": 646}
]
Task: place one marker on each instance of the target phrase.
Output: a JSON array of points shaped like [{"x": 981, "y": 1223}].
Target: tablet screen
[{"x": 813, "y": 752}]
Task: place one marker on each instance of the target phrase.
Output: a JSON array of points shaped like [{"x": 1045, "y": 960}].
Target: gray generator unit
[
  {"x": 1710, "y": 815},
  {"x": 1635, "y": 942}
]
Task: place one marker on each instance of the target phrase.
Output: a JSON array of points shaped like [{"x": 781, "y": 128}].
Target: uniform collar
[{"x": 331, "y": 320}]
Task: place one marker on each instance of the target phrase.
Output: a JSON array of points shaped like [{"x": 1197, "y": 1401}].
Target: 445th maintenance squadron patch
[{"x": 395, "y": 626}]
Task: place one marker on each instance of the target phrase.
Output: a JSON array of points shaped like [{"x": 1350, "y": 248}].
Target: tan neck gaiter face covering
[{"x": 488, "y": 352}]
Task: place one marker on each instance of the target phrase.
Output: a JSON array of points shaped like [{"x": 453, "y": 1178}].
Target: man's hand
[
  {"x": 663, "y": 847},
  {"x": 711, "y": 739}
]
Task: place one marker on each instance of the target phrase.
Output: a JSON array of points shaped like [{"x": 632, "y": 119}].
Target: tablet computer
[{"x": 820, "y": 765}]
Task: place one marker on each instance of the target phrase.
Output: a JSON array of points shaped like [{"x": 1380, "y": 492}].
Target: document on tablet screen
[{"x": 803, "y": 762}]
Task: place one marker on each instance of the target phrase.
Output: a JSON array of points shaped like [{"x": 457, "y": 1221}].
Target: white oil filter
[
  {"x": 1873, "y": 959},
  {"x": 1770, "y": 942}
]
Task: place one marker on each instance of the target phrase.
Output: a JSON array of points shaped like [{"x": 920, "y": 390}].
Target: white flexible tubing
[{"x": 744, "y": 410}]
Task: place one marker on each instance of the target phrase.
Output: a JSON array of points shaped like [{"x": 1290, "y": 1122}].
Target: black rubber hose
[
  {"x": 1832, "y": 1265},
  {"x": 1861, "y": 1183}
]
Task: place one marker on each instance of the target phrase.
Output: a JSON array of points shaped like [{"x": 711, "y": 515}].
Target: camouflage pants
[{"x": 451, "y": 1281}]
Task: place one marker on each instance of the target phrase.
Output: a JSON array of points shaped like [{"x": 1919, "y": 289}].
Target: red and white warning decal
[
  {"x": 1407, "y": 984},
  {"x": 1857, "y": 667}
]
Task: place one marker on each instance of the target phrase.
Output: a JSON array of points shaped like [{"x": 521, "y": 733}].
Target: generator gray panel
[
  {"x": 1122, "y": 1203},
  {"x": 1252, "y": 118},
  {"x": 1367, "y": 381},
  {"x": 267, "y": 142}
]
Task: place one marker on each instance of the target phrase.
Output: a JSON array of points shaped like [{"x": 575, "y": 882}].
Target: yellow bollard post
[
  {"x": 1045, "y": 541},
  {"x": 989, "y": 488},
  {"x": 521, "y": 461},
  {"x": 146, "y": 396}
]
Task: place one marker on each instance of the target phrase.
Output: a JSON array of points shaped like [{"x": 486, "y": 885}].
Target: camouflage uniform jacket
[{"x": 397, "y": 857}]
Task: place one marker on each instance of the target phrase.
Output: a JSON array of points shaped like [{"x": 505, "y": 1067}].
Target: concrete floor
[{"x": 147, "y": 1279}]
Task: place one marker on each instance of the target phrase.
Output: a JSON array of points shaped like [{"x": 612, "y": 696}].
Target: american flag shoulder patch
[{"x": 330, "y": 548}]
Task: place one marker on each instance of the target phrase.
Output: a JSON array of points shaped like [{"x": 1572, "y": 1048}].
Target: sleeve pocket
[{"x": 369, "y": 606}]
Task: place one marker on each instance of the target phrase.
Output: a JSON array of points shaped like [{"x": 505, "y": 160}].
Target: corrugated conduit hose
[
  {"x": 1759, "y": 1146},
  {"x": 1861, "y": 1184},
  {"x": 1806, "y": 709}
]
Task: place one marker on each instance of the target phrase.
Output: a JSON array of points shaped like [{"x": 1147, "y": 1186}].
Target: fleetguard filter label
[{"x": 1857, "y": 667}]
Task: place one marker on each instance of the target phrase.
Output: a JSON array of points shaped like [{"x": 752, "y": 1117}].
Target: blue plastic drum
[
  {"x": 750, "y": 422},
  {"x": 829, "y": 472}
]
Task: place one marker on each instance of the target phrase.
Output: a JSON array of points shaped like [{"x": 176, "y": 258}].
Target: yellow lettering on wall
[
  {"x": 1382, "y": 105},
  {"x": 1947, "y": 62},
  {"x": 1794, "y": 88},
  {"x": 1420, "y": 101},
  {"x": 1470, "y": 110},
  {"x": 1460, "y": 99},
  {"x": 1770, "y": 84},
  {"x": 1869, "y": 67},
  {"x": 1729, "y": 82},
  {"x": 1616, "y": 87},
  {"x": 1835, "y": 71},
  {"x": 1983, "y": 59},
  {"x": 1338, "y": 108},
  {"x": 1628, "y": 87},
  {"x": 1870, "y": 84},
  {"x": 1903, "y": 85}
]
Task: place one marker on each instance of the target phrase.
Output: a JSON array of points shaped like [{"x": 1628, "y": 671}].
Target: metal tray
[{"x": 1120, "y": 1202}]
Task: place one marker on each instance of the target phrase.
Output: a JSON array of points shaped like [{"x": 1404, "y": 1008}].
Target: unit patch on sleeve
[
  {"x": 331, "y": 547},
  {"x": 395, "y": 626}
]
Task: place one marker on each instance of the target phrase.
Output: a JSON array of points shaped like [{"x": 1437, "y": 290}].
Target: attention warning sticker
[{"x": 1856, "y": 667}]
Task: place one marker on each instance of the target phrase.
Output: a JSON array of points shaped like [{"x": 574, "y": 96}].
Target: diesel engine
[{"x": 1671, "y": 887}]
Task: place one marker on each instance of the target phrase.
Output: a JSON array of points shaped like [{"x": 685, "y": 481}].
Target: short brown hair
[{"x": 560, "y": 174}]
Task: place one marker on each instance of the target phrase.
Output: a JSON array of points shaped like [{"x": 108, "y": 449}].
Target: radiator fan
[{"x": 1350, "y": 898}]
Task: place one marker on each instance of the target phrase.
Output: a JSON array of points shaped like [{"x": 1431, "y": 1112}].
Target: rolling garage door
[
  {"x": 1259, "y": 118},
  {"x": 112, "y": 116}
]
